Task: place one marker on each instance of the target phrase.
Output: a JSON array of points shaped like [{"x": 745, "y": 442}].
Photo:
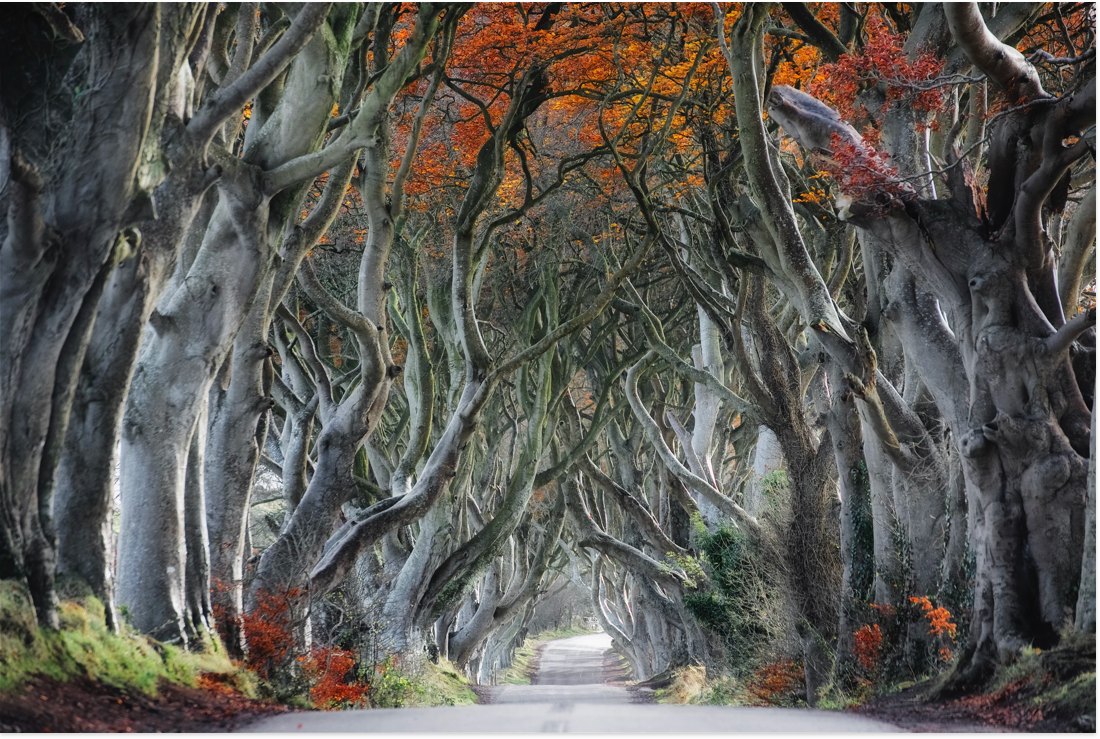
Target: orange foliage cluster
[
  {"x": 584, "y": 49},
  {"x": 862, "y": 173},
  {"x": 1048, "y": 36},
  {"x": 883, "y": 59},
  {"x": 800, "y": 70},
  {"x": 267, "y": 632},
  {"x": 775, "y": 681},
  {"x": 813, "y": 195},
  {"x": 868, "y": 646},
  {"x": 329, "y": 671},
  {"x": 329, "y": 668},
  {"x": 939, "y": 619}
]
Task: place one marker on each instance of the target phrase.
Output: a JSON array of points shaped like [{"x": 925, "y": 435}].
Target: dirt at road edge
[{"x": 47, "y": 705}]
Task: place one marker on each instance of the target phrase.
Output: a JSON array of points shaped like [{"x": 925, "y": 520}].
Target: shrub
[
  {"x": 780, "y": 683},
  {"x": 737, "y": 604},
  {"x": 868, "y": 647},
  {"x": 941, "y": 628},
  {"x": 388, "y": 687},
  {"x": 332, "y": 674},
  {"x": 328, "y": 677},
  {"x": 268, "y": 633},
  {"x": 939, "y": 619}
]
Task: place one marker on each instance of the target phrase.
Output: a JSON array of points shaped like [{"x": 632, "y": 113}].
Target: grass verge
[
  {"x": 437, "y": 684},
  {"x": 85, "y": 648}
]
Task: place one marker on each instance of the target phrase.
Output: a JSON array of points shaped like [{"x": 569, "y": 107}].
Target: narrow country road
[
  {"x": 569, "y": 695},
  {"x": 570, "y": 671}
]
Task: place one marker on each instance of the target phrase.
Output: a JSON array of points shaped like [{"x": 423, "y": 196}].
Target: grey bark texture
[
  {"x": 1085, "y": 618},
  {"x": 57, "y": 243}
]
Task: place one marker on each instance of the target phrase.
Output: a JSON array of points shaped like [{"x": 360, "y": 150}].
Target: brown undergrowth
[
  {"x": 81, "y": 705},
  {"x": 1037, "y": 691}
]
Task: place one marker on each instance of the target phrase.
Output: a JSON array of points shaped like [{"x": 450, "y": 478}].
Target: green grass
[
  {"x": 84, "y": 647},
  {"x": 516, "y": 674},
  {"x": 438, "y": 685}
]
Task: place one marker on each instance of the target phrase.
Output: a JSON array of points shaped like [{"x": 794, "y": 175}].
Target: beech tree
[
  {"x": 757, "y": 324},
  {"x": 1005, "y": 437}
]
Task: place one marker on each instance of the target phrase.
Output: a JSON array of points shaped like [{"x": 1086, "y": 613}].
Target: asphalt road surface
[
  {"x": 569, "y": 695},
  {"x": 570, "y": 672}
]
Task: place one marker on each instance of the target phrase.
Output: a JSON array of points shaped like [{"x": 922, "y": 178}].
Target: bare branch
[
  {"x": 301, "y": 237},
  {"x": 1006, "y": 66},
  {"x": 1060, "y": 341},
  {"x": 309, "y": 352},
  {"x": 59, "y": 22},
  {"x": 580, "y": 320},
  {"x": 819, "y": 35},
  {"x": 230, "y": 99},
  {"x": 775, "y": 204},
  {"x": 247, "y": 22},
  {"x": 653, "y": 434},
  {"x": 339, "y": 312},
  {"x": 592, "y": 536},
  {"x": 651, "y": 328},
  {"x": 364, "y": 131},
  {"x": 1080, "y": 240},
  {"x": 634, "y": 507},
  {"x": 398, "y": 187}
]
